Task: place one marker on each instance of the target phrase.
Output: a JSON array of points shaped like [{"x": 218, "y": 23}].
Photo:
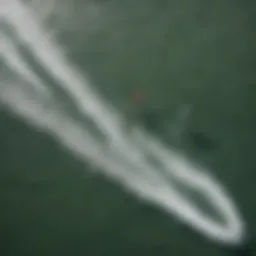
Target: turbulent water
[{"x": 41, "y": 83}]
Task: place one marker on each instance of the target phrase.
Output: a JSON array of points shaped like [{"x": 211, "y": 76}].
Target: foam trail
[
  {"x": 123, "y": 160},
  {"x": 198, "y": 180},
  {"x": 75, "y": 138},
  {"x": 105, "y": 117},
  {"x": 39, "y": 43},
  {"x": 16, "y": 62}
]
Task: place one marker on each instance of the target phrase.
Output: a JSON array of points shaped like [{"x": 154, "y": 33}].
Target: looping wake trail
[{"x": 122, "y": 156}]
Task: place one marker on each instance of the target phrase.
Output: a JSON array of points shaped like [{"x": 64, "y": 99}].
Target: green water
[{"x": 200, "y": 53}]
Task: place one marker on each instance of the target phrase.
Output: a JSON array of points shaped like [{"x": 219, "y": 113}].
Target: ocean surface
[{"x": 195, "y": 64}]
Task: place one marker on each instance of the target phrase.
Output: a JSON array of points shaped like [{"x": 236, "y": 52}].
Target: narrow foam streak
[
  {"x": 15, "y": 61},
  {"x": 122, "y": 160}
]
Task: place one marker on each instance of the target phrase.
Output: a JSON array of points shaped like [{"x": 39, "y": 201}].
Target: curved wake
[{"x": 123, "y": 155}]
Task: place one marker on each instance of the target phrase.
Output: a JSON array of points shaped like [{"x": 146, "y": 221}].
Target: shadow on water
[
  {"x": 202, "y": 142},
  {"x": 246, "y": 249}
]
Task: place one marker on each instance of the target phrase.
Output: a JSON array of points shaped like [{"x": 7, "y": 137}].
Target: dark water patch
[{"x": 202, "y": 142}]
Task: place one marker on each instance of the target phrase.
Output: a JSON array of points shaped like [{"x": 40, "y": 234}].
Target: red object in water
[{"x": 138, "y": 97}]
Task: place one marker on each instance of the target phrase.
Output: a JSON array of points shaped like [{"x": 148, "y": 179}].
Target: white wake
[{"x": 122, "y": 156}]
